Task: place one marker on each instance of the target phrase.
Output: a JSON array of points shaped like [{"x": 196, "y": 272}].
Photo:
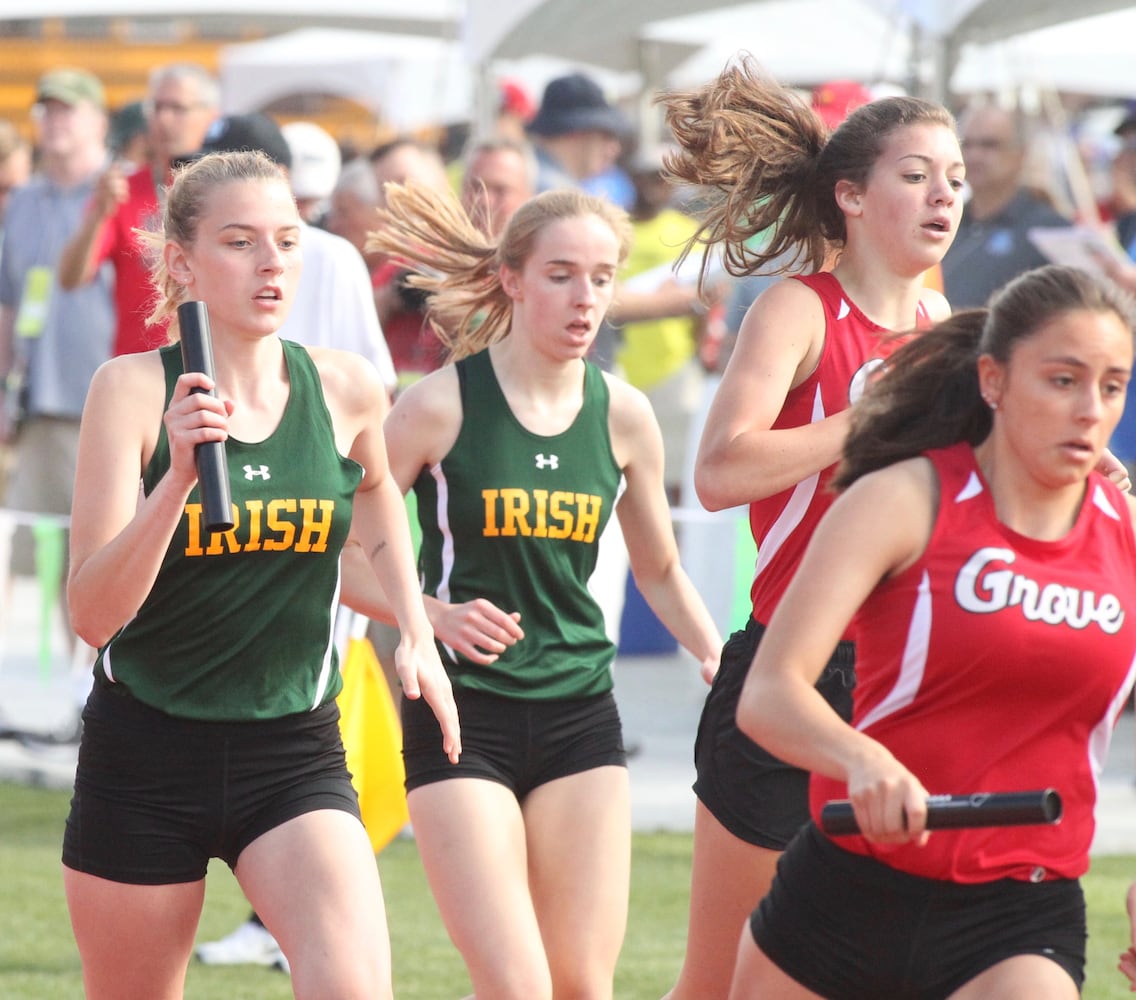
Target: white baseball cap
[{"x": 315, "y": 159}]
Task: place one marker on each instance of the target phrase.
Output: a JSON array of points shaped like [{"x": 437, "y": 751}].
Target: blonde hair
[
  {"x": 185, "y": 204},
  {"x": 459, "y": 266},
  {"x": 766, "y": 166}
]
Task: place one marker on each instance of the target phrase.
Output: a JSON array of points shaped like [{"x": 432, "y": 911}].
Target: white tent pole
[
  {"x": 484, "y": 100},
  {"x": 1080, "y": 188},
  {"x": 648, "y": 117}
]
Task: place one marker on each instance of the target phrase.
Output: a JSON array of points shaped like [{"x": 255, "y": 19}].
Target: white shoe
[{"x": 249, "y": 944}]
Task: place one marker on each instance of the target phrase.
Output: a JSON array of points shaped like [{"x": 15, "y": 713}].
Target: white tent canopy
[
  {"x": 649, "y": 42},
  {"x": 432, "y": 17},
  {"x": 409, "y": 81},
  {"x": 1090, "y": 55},
  {"x": 844, "y": 40},
  {"x": 607, "y": 33},
  {"x": 613, "y": 34},
  {"x": 598, "y": 33}
]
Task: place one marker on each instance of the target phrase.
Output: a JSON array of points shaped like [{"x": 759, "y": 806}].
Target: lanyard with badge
[{"x": 34, "y": 301}]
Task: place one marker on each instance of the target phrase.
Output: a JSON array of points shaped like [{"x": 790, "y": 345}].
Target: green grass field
[{"x": 38, "y": 959}]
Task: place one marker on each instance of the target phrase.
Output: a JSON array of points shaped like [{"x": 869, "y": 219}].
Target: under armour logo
[
  {"x": 250, "y": 472},
  {"x": 551, "y": 462}
]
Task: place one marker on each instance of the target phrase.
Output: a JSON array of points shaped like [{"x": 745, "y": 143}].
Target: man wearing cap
[
  {"x": 515, "y": 109},
  {"x": 836, "y": 100},
  {"x": 51, "y": 340},
  {"x": 316, "y": 162},
  {"x": 576, "y": 132},
  {"x": 182, "y": 102},
  {"x": 993, "y": 245}
]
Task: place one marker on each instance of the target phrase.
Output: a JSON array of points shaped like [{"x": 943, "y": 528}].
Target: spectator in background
[
  {"x": 15, "y": 165},
  {"x": 500, "y": 176},
  {"x": 1123, "y": 174},
  {"x": 659, "y": 324},
  {"x": 1123, "y": 441},
  {"x": 51, "y": 339},
  {"x": 993, "y": 244},
  {"x": 576, "y": 132},
  {"x": 401, "y": 308},
  {"x": 15, "y": 160},
  {"x": 181, "y": 104},
  {"x": 613, "y": 182},
  {"x": 515, "y": 109},
  {"x": 129, "y": 137},
  {"x": 315, "y": 168},
  {"x": 351, "y": 207},
  {"x": 405, "y": 159},
  {"x": 836, "y": 100}
]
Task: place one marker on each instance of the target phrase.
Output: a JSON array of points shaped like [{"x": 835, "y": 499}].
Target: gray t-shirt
[{"x": 61, "y": 337}]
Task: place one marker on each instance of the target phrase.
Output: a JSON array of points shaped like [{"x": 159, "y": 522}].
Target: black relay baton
[
  {"x": 953, "y": 812},
  {"x": 212, "y": 469}
]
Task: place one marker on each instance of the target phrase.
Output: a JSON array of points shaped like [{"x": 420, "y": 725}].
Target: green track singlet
[
  {"x": 516, "y": 517},
  {"x": 238, "y": 624}
]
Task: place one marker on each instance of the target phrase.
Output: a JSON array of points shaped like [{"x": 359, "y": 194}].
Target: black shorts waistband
[
  {"x": 843, "y": 657},
  {"x": 113, "y": 702}
]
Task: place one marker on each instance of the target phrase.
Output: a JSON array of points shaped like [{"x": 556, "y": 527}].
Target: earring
[{"x": 991, "y": 403}]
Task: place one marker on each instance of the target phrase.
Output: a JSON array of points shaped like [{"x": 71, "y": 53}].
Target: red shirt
[
  {"x": 782, "y": 524},
  {"x": 414, "y": 346},
  {"x": 999, "y": 663},
  {"x": 117, "y": 242}
]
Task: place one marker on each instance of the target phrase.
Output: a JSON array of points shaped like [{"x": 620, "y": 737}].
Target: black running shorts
[{"x": 156, "y": 796}]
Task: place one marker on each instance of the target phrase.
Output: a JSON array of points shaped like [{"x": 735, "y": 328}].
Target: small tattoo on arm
[{"x": 377, "y": 549}]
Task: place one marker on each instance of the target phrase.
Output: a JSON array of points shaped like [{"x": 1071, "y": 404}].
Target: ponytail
[
  {"x": 927, "y": 397},
  {"x": 765, "y": 167},
  {"x": 459, "y": 267}
]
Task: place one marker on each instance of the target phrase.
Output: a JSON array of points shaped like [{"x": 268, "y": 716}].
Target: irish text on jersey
[
  {"x": 299, "y": 525},
  {"x": 510, "y": 512}
]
